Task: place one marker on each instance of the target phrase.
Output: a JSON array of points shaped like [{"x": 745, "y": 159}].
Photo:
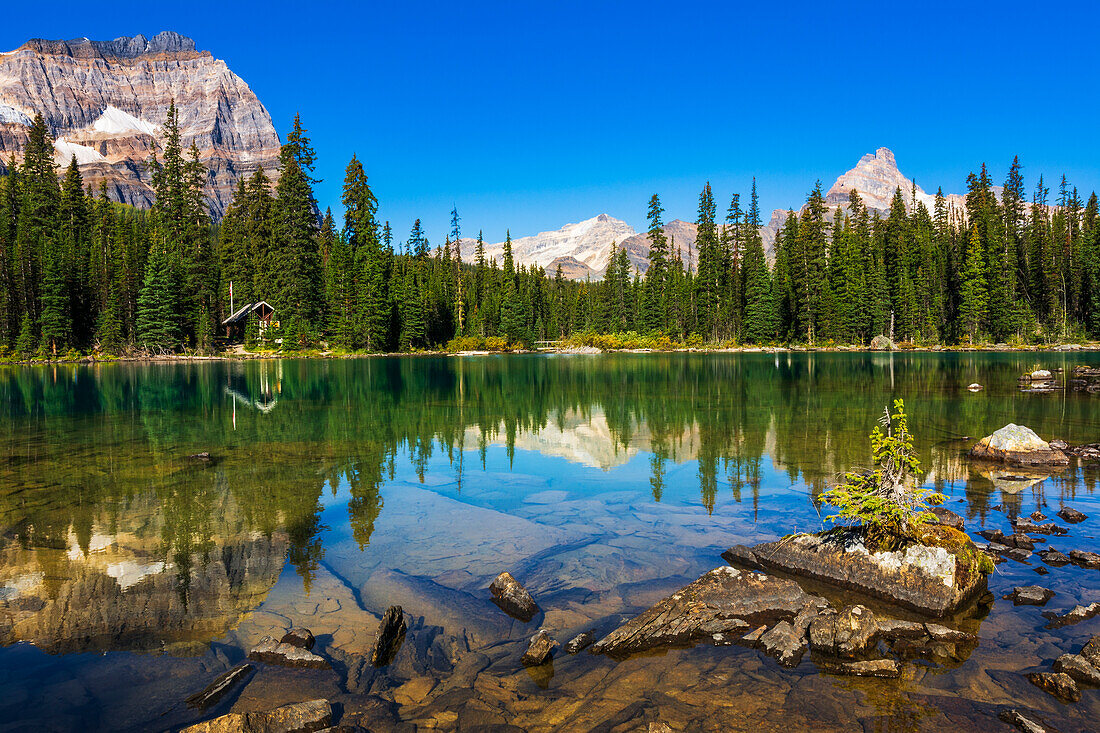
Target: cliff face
[{"x": 105, "y": 102}]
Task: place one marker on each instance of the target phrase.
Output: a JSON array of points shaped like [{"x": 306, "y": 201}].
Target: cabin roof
[{"x": 243, "y": 312}]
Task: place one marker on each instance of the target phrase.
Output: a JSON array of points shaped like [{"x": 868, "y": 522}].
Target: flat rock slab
[
  {"x": 1021, "y": 721},
  {"x": 302, "y": 717},
  {"x": 1072, "y": 516},
  {"x": 513, "y": 598},
  {"x": 722, "y": 601},
  {"x": 1030, "y": 595},
  {"x": 1019, "y": 446},
  {"x": 220, "y": 687},
  {"x": 887, "y": 668},
  {"x": 925, "y": 579},
  {"x": 1075, "y": 616},
  {"x": 287, "y": 655},
  {"x": 1051, "y": 556}
]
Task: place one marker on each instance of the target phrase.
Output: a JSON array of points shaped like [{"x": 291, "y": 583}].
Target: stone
[
  {"x": 104, "y": 102},
  {"x": 539, "y": 649},
  {"x": 299, "y": 637},
  {"x": 753, "y": 637},
  {"x": 302, "y": 717},
  {"x": 848, "y": 634},
  {"x": 1091, "y": 651},
  {"x": 1058, "y": 684},
  {"x": 286, "y": 655},
  {"x": 1030, "y": 595},
  {"x": 1079, "y": 668},
  {"x": 1018, "y": 554},
  {"x": 1051, "y": 556},
  {"x": 513, "y": 598},
  {"x": 947, "y": 517},
  {"x": 887, "y": 668},
  {"x": 722, "y": 601},
  {"x": 1076, "y": 615},
  {"x": 580, "y": 642},
  {"x": 995, "y": 536},
  {"x": 949, "y": 636},
  {"x": 1072, "y": 516},
  {"x": 1038, "y": 516},
  {"x": 1022, "y": 524},
  {"x": 203, "y": 457},
  {"x": 892, "y": 628},
  {"x": 1083, "y": 559},
  {"x": 975, "y": 387},
  {"x": 1018, "y": 719},
  {"x": 931, "y": 580},
  {"x": 1018, "y": 445},
  {"x": 1041, "y": 570},
  {"x": 220, "y": 687},
  {"x": 391, "y": 634},
  {"x": 1040, "y": 375},
  {"x": 882, "y": 343},
  {"x": 784, "y": 642}
]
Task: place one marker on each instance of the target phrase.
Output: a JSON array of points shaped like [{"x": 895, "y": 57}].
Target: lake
[{"x": 132, "y": 574}]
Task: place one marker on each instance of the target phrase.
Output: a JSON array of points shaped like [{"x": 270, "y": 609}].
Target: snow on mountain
[
  {"x": 12, "y": 116},
  {"x": 114, "y": 121},
  {"x": 64, "y": 151},
  {"x": 588, "y": 242}
]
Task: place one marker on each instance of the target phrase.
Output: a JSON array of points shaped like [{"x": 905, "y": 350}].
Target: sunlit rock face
[{"x": 105, "y": 102}]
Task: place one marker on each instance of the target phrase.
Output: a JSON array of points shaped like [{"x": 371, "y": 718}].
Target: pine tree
[
  {"x": 974, "y": 293},
  {"x": 156, "y": 325},
  {"x": 759, "y": 303},
  {"x": 656, "y": 278},
  {"x": 295, "y": 256},
  {"x": 709, "y": 267}
]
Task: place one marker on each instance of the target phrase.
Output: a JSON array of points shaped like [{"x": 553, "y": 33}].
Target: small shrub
[{"x": 695, "y": 341}]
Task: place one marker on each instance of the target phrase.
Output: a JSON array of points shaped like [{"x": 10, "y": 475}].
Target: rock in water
[
  {"x": 1084, "y": 559},
  {"x": 220, "y": 687},
  {"x": 947, "y": 517},
  {"x": 299, "y": 637},
  {"x": 513, "y": 598},
  {"x": 848, "y": 634},
  {"x": 391, "y": 633},
  {"x": 1058, "y": 684},
  {"x": 723, "y": 601},
  {"x": 580, "y": 642},
  {"x": 785, "y": 643},
  {"x": 1018, "y": 719},
  {"x": 286, "y": 655},
  {"x": 931, "y": 580},
  {"x": 888, "y": 668},
  {"x": 1076, "y": 615},
  {"x": 1020, "y": 446},
  {"x": 1091, "y": 651},
  {"x": 1051, "y": 556},
  {"x": 1079, "y": 668},
  {"x": 975, "y": 387},
  {"x": 539, "y": 650},
  {"x": 1072, "y": 516},
  {"x": 302, "y": 717},
  {"x": 1030, "y": 595}
]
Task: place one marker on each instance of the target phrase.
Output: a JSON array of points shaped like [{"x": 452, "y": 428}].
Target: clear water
[{"x": 131, "y": 575}]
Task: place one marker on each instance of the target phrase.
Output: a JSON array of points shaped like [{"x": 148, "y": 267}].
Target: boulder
[
  {"x": 539, "y": 649},
  {"x": 286, "y": 655},
  {"x": 513, "y": 598},
  {"x": 1051, "y": 556},
  {"x": 1074, "y": 616},
  {"x": 888, "y": 668},
  {"x": 1038, "y": 516},
  {"x": 1021, "y": 721},
  {"x": 882, "y": 343},
  {"x": 1058, "y": 684},
  {"x": 932, "y": 580},
  {"x": 722, "y": 601},
  {"x": 1020, "y": 446},
  {"x": 1084, "y": 559},
  {"x": 299, "y": 637},
  {"x": 1040, "y": 375},
  {"x": 391, "y": 634},
  {"x": 1071, "y": 516},
  {"x": 947, "y": 517},
  {"x": 785, "y": 643},
  {"x": 580, "y": 642},
  {"x": 849, "y": 634},
  {"x": 220, "y": 687},
  {"x": 1079, "y": 668},
  {"x": 1023, "y": 524},
  {"x": 1030, "y": 595},
  {"x": 302, "y": 717}
]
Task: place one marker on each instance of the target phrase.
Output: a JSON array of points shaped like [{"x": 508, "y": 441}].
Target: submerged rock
[
  {"x": 513, "y": 598},
  {"x": 220, "y": 687},
  {"x": 888, "y": 668},
  {"x": 391, "y": 634},
  {"x": 723, "y": 601},
  {"x": 580, "y": 642},
  {"x": 302, "y": 717},
  {"x": 1072, "y": 516},
  {"x": 1076, "y": 615},
  {"x": 1021, "y": 721},
  {"x": 1083, "y": 559},
  {"x": 539, "y": 649},
  {"x": 286, "y": 655},
  {"x": 1079, "y": 668},
  {"x": 929, "y": 579},
  {"x": 950, "y": 636},
  {"x": 1091, "y": 651},
  {"x": 1058, "y": 684},
  {"x": 1018, "y": 445},
  {"x": 1030, "y": 595},
  {"x": 299, "y": 637}
]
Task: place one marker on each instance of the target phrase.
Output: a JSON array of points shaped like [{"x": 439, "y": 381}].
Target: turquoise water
[{"x": 132, "y": 574}]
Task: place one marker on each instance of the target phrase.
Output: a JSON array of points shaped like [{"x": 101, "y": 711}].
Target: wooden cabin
[{"x": 236, "y": 324}]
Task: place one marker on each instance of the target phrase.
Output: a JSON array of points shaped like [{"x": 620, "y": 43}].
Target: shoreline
[{"x": 562, "y": 351}]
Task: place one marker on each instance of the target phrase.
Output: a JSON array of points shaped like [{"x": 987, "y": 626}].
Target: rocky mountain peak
[{"x": 123, "y": 47}]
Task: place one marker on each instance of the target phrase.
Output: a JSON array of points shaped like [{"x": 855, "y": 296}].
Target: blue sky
[{"x": 532, "y": 115}]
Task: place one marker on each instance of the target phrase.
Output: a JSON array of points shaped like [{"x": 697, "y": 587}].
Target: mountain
[
  {"x": 104, "y": 102},
  {"x": 876, "y": 177}
]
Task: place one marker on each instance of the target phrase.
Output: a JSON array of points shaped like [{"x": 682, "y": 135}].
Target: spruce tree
[
  {"x": 653, "y": 307},
  {"x": 974, "y": 293}
]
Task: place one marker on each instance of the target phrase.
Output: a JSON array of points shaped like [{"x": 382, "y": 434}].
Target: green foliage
[{"x": 888, "y": 502}]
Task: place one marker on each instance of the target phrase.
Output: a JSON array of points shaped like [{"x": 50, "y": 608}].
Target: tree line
[{"x": 79, "y": 273}]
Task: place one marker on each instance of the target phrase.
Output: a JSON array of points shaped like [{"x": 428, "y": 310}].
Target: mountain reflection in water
[{"x": 336, "y": 488}]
